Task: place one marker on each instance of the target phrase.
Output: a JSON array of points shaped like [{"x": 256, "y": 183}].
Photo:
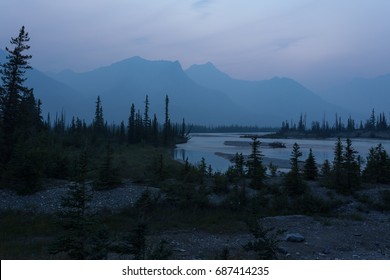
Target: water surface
[{"x": 207, "y": 144}]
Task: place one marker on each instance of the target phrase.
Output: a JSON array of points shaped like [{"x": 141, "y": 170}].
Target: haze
[{"x": 318, "y": 43}]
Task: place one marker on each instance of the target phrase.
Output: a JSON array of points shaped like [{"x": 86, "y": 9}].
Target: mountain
[
  {"x": 362, "y": 95},
  {"x": 130, "y": 80},
  {"x": 202, "y": 94},
  {"x": 55, "y": 96},
  {"x": 278, "y": 98}
]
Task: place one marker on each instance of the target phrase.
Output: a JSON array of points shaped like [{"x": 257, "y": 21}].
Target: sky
[{"x": 320, "y": 43}]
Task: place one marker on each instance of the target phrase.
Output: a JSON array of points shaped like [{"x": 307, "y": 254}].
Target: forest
[
  {"x": 95, "y": 158},
  {"x": 376, "y": 126}
]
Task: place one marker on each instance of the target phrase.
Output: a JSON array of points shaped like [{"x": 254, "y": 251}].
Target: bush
[
  {"x": 220, "y": 183},
  {"x": 25, "y": 170},
  {"x": 310, "y": 204},
  {"x": 384, "y": 204},
  {"x": 266, "y": 243},
  {"x": 185, "y": 195},
  {"x": 236, "y": 199}
]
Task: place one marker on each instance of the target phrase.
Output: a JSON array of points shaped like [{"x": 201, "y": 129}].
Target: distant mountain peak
[
  {"x": 208, "y": 65},
  {"x": 207, "y": 69}
]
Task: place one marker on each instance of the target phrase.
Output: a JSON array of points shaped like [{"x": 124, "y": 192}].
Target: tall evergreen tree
[
  {"x": 239, "y": 163},
  {"x": 108, "y": 176},
  {"x": 256, "y": 170},
  {"x": 294, "y": 181},
  {"x": 167, "y": 123},
  {"x": 310, "y": 167},
  {"x": 325, "y": 169},
  {"x": 351, "y": 168},
  {"x": 122, "y": 133},
  {"x": 372, "y": 120},
  {"x": 337, "y": 168},
  {"x": 139, "y": 127},
  {"x": 147, "y": 121},
  {"x": 76, "y": 219},
  {"x": 18, "y": 107},
  {"x": 98, "y": 121},
  {"x": 202, "y": 167},
  {"x": 378, "y": 166},
  {"x": 155, "y": 135},
  {"x": 131, "y": 126}
]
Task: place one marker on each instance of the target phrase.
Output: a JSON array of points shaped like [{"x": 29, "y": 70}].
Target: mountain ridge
[
  {"x": 201, "y": 94},
  {"x": 280, "y": 95},
  {"x": 366, "y": 93},
  {"x": 135, "y": 77}
]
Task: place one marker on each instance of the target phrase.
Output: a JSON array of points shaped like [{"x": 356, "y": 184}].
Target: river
[{"x": 206, "y": 145}]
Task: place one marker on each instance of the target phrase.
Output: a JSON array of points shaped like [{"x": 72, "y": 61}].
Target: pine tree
[
  {"x": 155, "y": 134},
  {"x": 139, "y": 127},
  {"x": 98, "y": 121},
  {"x": 122, "y": 133},
  {"x": 337, "y": 167},
  {"x": 147, "y": 121},
  {"x": 167, "y": 124},
  {"x": 202, "y": 170},
  {"x": 294, "y": 181},
  {"x": 135, "y": 242},
  {"x": 325, "y": 169},
  {"x": 256, "y": 170},
  {"x": 131, "y": 126},
  {"x": 159, "y": 168},
  {"x": 378, "y": 166},
  {"x": 239, "y": 163},
  {"x": 76, "y": 219},
  {"x": 108, "y": 176},
  {"x": 183, "y": 129},
  {"x": 310, "y": 168},
  {"x": 351, "y": 168},
  {"x": 18, "y": 107},
  {"x": 372, "y": 120}
]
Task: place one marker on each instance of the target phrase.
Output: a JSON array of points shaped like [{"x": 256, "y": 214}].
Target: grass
[
  {"x": 165, "y": 217},
  {"x": 25, "y": 235},
  {"x": 139, "y": 161}
]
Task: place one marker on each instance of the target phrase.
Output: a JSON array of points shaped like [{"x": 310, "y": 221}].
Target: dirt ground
[{"x": 325, "y": 238}]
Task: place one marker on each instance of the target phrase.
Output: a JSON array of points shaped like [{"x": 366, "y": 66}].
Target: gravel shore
[{"x": 49, "y": 200}]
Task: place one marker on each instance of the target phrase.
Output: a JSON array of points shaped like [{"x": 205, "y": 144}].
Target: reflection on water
[
  {"x": 194, "y": 157},
  {"x": 207, "y": 144}
]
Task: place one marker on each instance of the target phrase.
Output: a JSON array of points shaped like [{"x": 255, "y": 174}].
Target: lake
[{"x": 208, "y": 144}]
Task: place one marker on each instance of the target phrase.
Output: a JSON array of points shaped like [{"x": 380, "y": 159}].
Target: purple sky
[{"x": 317, "y": 42}]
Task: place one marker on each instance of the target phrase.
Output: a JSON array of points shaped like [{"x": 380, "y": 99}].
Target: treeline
[
  {"x": 32, "y": 148},
  {"x": 375, "y": 123},
  {"x": 344, "y": 173},
  {"x": 230, "y": 128},
  {"x": 140, "y": 128}
]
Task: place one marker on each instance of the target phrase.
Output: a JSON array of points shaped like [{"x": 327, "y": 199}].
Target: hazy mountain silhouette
[
  {"x": 55, "y": 96},
  {"x": 128, "y": 81},
  {"x": 202, "y": 94},
  {"x": 281, "y": 98},
  {"x": 362, "y": 95}
]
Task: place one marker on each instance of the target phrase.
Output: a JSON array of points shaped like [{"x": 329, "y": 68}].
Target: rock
[
  {"x": 326, "y": 251},
  {"x": 282, "y": 250},
  {"x": 180, "y": 250},
  {"x": 295, "y": 237}
]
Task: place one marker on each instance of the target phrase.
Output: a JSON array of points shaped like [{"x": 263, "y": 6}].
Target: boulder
[{"x": 295, "y": 237}]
